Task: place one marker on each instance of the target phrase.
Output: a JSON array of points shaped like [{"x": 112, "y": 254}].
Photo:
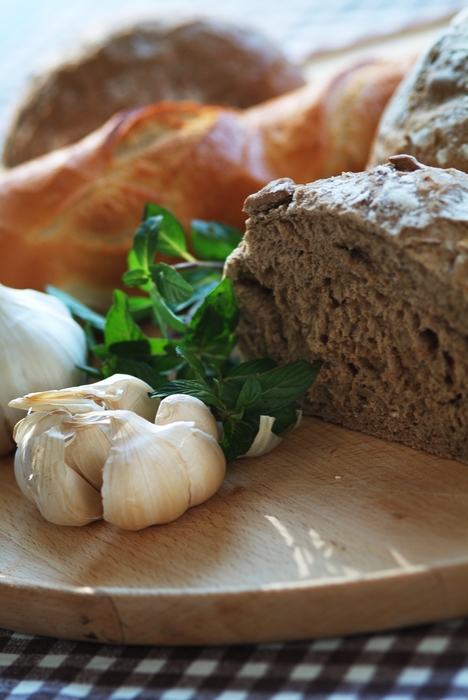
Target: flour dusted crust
[
  {"x": 368, "y": 272},
  {"x": 428, "y": 114},
  {"x": 210, "y": 61},
  {"x": 68, "y": 218}
]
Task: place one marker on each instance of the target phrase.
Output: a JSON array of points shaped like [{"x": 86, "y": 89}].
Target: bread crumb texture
[{"x": 369, "y": 272}]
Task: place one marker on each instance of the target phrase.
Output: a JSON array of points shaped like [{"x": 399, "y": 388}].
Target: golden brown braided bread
[{"x": 68, "y": 218}]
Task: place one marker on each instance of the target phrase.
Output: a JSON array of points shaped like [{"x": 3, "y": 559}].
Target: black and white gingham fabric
[{"x": 417, "y": 664}]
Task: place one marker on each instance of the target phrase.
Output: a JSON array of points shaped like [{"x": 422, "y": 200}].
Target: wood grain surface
[{"x": 332, "y": 533}]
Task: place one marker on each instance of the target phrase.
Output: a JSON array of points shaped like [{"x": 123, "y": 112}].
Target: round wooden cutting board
[{"x": 332, "y": 533}]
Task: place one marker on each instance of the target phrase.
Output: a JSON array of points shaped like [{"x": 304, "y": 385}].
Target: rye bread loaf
[
  {"x": 427, "y": 116},
  {"x": 368, "y": 272}
]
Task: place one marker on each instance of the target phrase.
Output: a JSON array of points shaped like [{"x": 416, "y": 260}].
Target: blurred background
[{"x": 32, "y": 32}]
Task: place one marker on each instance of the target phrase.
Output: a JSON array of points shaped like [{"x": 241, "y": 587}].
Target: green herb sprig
[{"x": 196, "y": 313}]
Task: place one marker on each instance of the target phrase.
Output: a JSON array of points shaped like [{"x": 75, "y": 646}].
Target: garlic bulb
[
  {"x": 116, "y": 465},
  {"x": 185, "y": 407},
  {"x": 40, "y": 346},
  {"x": 120, "y": 391},
  {"x": 173, "y": 467}
]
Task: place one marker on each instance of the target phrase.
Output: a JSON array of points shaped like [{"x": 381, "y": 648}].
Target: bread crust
[
  {"x": 367, "y": 272},
  {"x": 68, "y": 218},
  {"x": 208, "y": 61},
  {"x": 428, "y": 114}
]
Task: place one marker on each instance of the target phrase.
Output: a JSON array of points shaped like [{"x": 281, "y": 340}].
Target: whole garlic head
[
  {"x": 40, "y": 347},
  {"x": 116, "y": 465}
]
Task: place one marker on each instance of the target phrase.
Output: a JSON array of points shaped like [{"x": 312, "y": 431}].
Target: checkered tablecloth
[
  {"x": 420, "y": 663},
  {"x": 425, "y": 662}
]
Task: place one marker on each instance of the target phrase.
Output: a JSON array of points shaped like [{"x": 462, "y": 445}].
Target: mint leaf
[
  {"x": 101, "y": 352},
  {"x": 252, "y": 367},
  {"x": 285, "y": 419},
  {"x": 212, "y": 327},
  {"x": 193, "y": 362},
  {"x": 188, "y": 386},
  {"x": 170, "y": 284},
  {"x": 283, "y": 385},
  {"x": 166, "y": 318},
  {"x": 77, "y": 308},
  {"x": 238, "y": 437},
  {"x": 119, "y": 322},
  {"x": 202, "y": 280},
  {"x": 140, "y": 307},
  {"x": 135, "y": 278},
  {"x": 142, "y": 370},
  {"x": 213, "y": 241},
  {"x": 249, "y": 395},
  {"x": 145, "y": 242},
  {"x": 172, "y": 240},
  {"x": 141, "y": 347},
  {"x": 92, "y": 372}
]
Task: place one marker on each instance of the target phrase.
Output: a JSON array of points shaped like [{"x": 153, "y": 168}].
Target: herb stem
[{"x": 197, "y": 263}]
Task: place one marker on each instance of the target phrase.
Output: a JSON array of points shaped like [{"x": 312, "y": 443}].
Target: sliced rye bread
[{"x": 369, "y": 272}]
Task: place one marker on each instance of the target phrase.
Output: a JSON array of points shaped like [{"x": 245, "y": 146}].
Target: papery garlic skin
[
  {"x": 183, "y": 407},
  {"x": 120, "y": 391},
  {"x": 44, "y": 475},
  {"x": 266, "y": 440},
  {"x": 40, "y": 347}
]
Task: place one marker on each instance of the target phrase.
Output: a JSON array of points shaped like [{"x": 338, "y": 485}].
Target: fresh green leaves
[
  {"x": 213, "y": 241},
  {"x": 170, "y": 285},
  {"x": 120, "y": 325},
  {"x": 171, "y": 235},
  {"x": 247, "y": 392},
  {"x": 78, "y": 309},
  {"x": 196, "y": 313}
]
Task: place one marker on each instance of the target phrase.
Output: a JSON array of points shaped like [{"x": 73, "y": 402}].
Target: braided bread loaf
[{"x": 68, "y": 218}]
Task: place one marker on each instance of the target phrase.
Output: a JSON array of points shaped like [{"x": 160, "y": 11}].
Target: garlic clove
[
  {"x": 40, "y": 347},
  {"x": 86, "y": 452},
  {"x": 134, "y": 397},
  {"x": 144, "y": 481},
  {"x": 26, "y": 433},
  {"x": 265, "y": 439},
  {"x": 62, "y": 496},
  {"x": 205, "y": 464},
  {"x": 120, "y": 391},
  {"x": 183, "y": 407}
]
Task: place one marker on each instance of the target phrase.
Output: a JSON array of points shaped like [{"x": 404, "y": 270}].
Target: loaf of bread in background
[
  {"x": 68, "y": 218},
  {"x": 209, "y": 61},
  {"x": 428, "y": 115},
  {"x": 359, "y": 271}
]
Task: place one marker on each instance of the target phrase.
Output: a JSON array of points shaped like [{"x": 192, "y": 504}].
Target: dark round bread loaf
[{"x": 203, "y": 60}]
